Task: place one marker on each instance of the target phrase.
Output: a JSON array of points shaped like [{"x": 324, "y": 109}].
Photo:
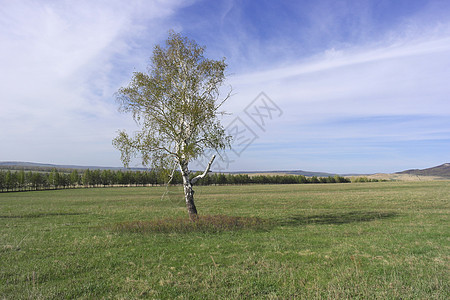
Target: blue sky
[{"x": 358, "y": 86}]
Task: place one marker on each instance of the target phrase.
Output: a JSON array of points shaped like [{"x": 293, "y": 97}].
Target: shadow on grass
[
  {"x": 336, "y": 218},
  {"x": 222, "y": 223},
  {"x": 38, "y": 215}
]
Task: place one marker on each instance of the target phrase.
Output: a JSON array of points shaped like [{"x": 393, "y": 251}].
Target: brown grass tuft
[{"x": 208, "y": 223}]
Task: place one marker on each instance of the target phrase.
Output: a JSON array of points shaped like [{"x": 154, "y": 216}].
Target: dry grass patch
[{"x": 207, "y": 223}]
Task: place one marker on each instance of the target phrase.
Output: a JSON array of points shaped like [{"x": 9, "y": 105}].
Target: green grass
[
  {"x": 336, "y": 241},
  {"x": 206, "y": 224}
]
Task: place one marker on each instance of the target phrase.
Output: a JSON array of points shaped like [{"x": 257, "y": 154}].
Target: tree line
[{"x": 55, "y": 179}]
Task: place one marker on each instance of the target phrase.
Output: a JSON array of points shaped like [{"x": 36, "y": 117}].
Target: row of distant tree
[
  {"x": 55, "y": 179},
  {"x": 29, "y": 180}
]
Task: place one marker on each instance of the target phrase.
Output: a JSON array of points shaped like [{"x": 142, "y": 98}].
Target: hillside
[
  {"x": 440, "y": 171},
  {"x": 295, "y": 172}
]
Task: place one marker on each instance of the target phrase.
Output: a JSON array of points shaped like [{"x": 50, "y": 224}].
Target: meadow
[{"x": 383, "y": 240}]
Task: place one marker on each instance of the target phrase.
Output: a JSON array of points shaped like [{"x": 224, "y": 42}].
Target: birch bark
[
  {"x": 187, "y": 186},
  {"x": 188, "y": 191}
]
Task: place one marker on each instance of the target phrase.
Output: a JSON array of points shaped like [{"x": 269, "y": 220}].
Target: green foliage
[
  {"x": 87, "y": 178},
  {"x": 54, "y": 178},
  {"x": 2, "y": 181},
  {"x": 363, "y": 179},
  {"x": 314, "y": 179},
  {"x": 175, "y": 104},
  {"x": 74, "y": 178}
]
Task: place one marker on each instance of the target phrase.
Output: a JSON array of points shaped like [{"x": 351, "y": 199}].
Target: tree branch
[
  {"x": 225, "y": 99},
  {"x": 198, "y": 177}
]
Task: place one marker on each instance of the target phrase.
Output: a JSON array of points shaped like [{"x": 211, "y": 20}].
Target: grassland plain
[{"x": 387, "y": 240}]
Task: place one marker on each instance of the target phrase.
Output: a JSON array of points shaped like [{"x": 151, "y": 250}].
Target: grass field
[{"x": 385, "y": 240}]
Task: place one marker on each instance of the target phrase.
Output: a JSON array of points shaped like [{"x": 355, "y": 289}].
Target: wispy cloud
[{"x": 61, "y": 63}]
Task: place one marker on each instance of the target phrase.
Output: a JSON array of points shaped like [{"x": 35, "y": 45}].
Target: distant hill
[
  {"x": 441, "y": 171},
  {"x": 295, "y": 172}
]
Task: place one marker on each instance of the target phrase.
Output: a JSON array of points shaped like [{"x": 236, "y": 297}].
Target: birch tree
[{"x": 176, "y": 105}]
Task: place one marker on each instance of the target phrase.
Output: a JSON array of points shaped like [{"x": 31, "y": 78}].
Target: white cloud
[
  {"x": 61, "y": 63},
  {"x": 403, "y": 78}
]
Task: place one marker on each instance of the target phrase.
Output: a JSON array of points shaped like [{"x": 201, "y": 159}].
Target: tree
[
  {"x": 74, "y": 178},
  {"x": 96, "y": 177},
  {"x": 29, "y": 179},
  {"x": 87, "y": 178},
  {"x": 176, "y": 103},
  {"x": 21, "y": 180},
  {"x": 37, "y": 180},
  {"x": 2, "y": 180},
  {"x": 106, "y": 177},
  {"x": 10, "y": 181},
  {"x": 54, "y": 178}
]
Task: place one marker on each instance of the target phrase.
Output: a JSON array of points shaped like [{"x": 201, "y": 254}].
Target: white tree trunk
[
  {"x": 187, "y": 186},
  {"x": 188, "y": 191}
]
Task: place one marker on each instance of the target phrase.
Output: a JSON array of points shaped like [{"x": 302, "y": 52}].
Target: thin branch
[
  {"x": 169, "y": 181},
  {"x": 225, "y": 99}
]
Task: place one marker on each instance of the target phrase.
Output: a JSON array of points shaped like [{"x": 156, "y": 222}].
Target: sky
[{"x": 332, "y": 86}]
